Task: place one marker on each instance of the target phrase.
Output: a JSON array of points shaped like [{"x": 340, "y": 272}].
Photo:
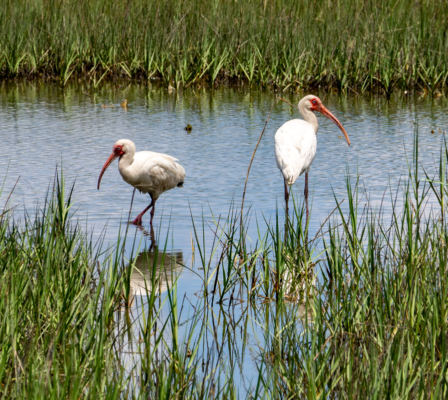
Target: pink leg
[
  {"x": 306, "y": 195},
  {"x": 138, "y": 220}
]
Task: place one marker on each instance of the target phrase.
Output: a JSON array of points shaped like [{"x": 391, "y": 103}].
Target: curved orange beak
[
  {"x": 109, "y": 161},
  {"x": 332, "y": 118}
]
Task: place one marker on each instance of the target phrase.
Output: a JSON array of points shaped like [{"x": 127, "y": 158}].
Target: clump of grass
[
  {"x": 57, "y": 306},
  {"x": 67, "y": 328},
  {"x": 378, "y": 324},
  {"x": 368, "y": 315},
  {"x": 344, "y": 45}
]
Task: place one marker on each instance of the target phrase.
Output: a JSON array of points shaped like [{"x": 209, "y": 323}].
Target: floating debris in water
[
  {"x": 340, "y": 137},
  {"x": 124, "y": 104},
  {"x": 104, "y": 106},
  {"x": 432, "y": 131},
  {"x": 188, "y": 128}
]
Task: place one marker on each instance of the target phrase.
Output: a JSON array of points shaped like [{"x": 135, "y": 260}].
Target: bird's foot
[{"x": 137, "y": 221}]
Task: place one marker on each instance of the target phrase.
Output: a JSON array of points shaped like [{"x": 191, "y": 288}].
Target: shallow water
[{"x": 42, "y": 126}]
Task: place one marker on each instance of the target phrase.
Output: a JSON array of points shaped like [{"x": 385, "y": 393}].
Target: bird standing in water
[
  {"x": 149, "y": 172},
  {"x": 296, "y": 143}
]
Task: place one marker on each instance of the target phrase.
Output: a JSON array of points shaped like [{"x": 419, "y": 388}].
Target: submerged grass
[
  {"x": 378, "y": 45},
  {"x": 358, "y": 311}
]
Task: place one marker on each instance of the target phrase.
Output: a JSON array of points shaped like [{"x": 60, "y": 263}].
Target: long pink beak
[
  {"x": 331, "y": 117},
  {"x": 109, "y": 161}
]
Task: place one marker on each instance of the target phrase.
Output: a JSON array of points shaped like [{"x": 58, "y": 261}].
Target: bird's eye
[{"x": 314, "y": 102}]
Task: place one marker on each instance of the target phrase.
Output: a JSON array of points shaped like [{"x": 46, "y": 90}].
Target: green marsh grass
[
  {"x": 66, "y": 316},
  {"x": 359, "y": 310},
  {"x": 57, "y": 306},
  {"x": 375, "y": 326},
  {"x": 348, "y": 45}
]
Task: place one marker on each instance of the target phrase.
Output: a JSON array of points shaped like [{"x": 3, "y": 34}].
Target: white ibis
[
  {"x": 296, "y": 143},
  {"x": 149, "y": 172}
]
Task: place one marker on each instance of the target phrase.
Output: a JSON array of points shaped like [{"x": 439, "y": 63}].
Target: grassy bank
[
  {"x": 358, "y": 311},
  {"x": 347, "y": 44}
]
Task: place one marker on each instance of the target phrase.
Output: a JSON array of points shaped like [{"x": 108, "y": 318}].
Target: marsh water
[{"x": 43, "y": 126}]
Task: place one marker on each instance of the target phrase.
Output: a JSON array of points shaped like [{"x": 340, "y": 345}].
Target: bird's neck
[
  {"x": 309, "y": 117},
  {"x": 125, "y": 160}
]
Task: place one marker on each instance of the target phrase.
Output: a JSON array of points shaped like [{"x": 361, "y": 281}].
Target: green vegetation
[
  {"x": 379, "y": 313},
  {"x": 359, "y": 311},
  {"x": 56, "y": 307},
  {"x": 65, "y": 316},
  {"x": 377, "y": 45}
]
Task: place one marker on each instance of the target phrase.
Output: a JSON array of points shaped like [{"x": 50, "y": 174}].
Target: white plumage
[
  {"x": 147, "y": 171},
  {"x": 296, "y": 143},
  {"x": 295, "y": 147}
]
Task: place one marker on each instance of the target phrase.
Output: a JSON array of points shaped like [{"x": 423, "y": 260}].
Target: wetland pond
[{"x": 43, "y": 126}]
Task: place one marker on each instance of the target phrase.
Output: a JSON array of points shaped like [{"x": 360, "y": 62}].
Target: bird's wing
[
  {"x": 160, "y": 172},
  {"x": 146, "y": 155},
  {"x": 295, "y": 147}
]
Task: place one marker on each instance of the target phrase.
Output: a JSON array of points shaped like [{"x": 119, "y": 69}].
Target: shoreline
[
  {"x": 158, "y": 83},
  {"x": 369, "y": 46}
]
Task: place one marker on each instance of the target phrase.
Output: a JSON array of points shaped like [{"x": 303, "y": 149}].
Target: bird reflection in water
[
  {"x": 155, "y": 268},
  {"x": 144, "y": 232},
  {"x": 154, "y": 272}
]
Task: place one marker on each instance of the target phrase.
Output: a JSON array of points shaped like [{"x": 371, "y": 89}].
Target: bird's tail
[{"x": 289, "y": 176}]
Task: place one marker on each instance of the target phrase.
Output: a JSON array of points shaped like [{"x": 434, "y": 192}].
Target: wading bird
[
  {"x": 149, "y": 172},
  {"x": 296, "y": 143}
]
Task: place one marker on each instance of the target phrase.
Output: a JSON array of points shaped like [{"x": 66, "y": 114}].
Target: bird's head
[
  {"x": 313, "y": 103},
  {"x": 120, "y": 148}
]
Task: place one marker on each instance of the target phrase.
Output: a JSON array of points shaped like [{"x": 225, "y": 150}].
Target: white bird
[
  {"x": 149, "y": 172},
  {"x": 296, "y": 143}
]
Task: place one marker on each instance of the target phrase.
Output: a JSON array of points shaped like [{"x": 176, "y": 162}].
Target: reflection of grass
[
  {"x": 361, "y": 45},
  {"x": 365, "y": 316}
]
